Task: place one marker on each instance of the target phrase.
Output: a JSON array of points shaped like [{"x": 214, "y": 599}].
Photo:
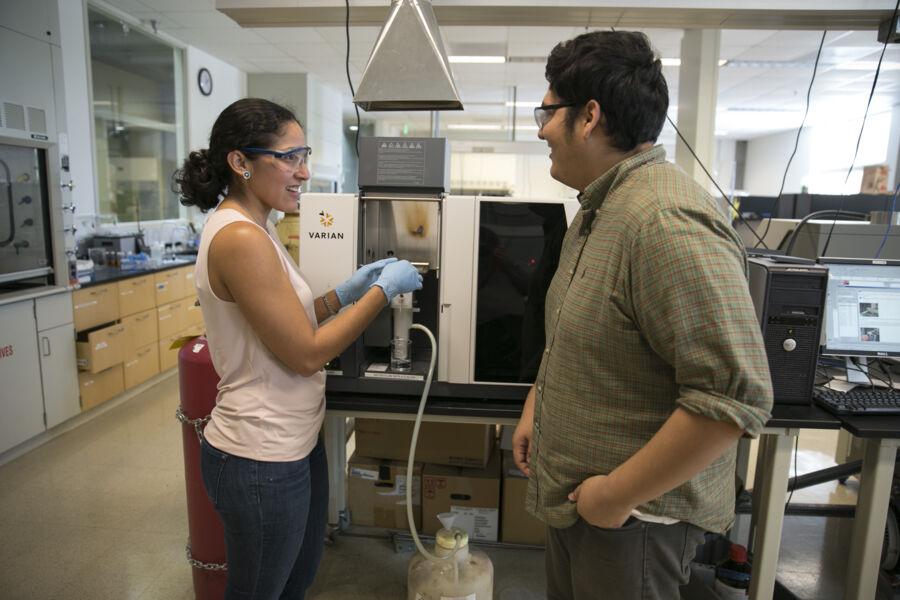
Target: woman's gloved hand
[
  {"x": 398, "y": 278},
  {"x": 359, "y": 283}
]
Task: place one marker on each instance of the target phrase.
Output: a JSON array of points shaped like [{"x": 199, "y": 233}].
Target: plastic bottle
[
  {"x": 465, "y": 575},
  {"x": 733, "y": 575}
]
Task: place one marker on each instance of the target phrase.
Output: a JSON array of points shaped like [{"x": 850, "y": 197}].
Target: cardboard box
[
  {"x": 140, "y": 330},
  {"x": 506, "y": 433},
  {"x": 518, "y": 526},
  {"x": 100, "y": 349},
  {"x": 473, "y": 494},
  {"x": 141, "y": 364},
  {"x": 136, "y": 295},
  {"x": 454, "y": 444},
  {"x": 875, "y": 179},
  {"x": 97, "y": 388},
  {"x": 376, "y": 490}
]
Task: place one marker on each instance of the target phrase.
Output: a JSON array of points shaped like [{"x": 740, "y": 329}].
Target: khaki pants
[{"x": 639, "y": 561}]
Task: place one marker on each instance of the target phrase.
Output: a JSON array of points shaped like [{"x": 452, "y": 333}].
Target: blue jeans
[{"x": 275, "y": 515}]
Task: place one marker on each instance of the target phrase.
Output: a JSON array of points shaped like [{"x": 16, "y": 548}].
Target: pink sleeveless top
[{"x": 264, "y": 411}]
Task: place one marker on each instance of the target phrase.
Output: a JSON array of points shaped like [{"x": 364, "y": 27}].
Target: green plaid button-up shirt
[{"x": 649, "y": 310}]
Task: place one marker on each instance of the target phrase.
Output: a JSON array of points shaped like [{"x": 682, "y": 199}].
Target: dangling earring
[{"x": 246, "y": 175}]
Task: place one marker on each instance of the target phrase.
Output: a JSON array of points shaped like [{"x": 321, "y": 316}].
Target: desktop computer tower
[{"x": 789, "y": 298}]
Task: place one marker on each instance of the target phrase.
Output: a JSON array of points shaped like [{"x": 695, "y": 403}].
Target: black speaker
[{"x": 789, "y": 298}]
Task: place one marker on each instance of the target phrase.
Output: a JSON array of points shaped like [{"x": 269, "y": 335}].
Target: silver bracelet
[{"x": 328, "y": 304}]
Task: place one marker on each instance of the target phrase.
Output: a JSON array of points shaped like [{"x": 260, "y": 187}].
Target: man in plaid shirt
[{"x": 654, "y": 364}]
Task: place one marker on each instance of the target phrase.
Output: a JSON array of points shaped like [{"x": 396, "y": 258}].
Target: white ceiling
[{"x": 761, "y": 90}]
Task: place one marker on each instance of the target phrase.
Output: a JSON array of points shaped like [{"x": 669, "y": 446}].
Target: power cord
[
  {"x": 887, "y": 231},
  {"x": 796, "y": 452},
  {"x": 718, "y": 187},
  {"x": 347, "y": 67},
  {"x": 861, "y": 129},
  {"x": 812, "y": 80}
]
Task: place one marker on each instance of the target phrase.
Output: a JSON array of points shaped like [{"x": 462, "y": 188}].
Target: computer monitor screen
[{"x": 862, "y": 307}]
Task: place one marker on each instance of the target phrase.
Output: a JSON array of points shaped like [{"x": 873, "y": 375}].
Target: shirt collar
[{"x": 596, "y": 192}]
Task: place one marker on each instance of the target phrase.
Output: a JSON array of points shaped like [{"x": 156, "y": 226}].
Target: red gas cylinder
[{"x": 206, "y": 543}]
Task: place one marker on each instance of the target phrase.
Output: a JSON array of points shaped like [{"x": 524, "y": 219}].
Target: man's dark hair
[{"x": 621, "y": 72}]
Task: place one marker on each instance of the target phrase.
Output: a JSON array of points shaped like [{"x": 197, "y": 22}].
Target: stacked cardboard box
[
  {"x": 377, "y": 470},
  {"x": 518, "y": 525},
  {"x": 376, "y": 489}
]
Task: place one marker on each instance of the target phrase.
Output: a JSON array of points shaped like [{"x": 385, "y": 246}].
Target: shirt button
[
  {"x": 546, "y": 350},
  {"x": 540, "y": 388},
  {"x": 571, "y": 272},
  {"x": 557, "y": 311}
]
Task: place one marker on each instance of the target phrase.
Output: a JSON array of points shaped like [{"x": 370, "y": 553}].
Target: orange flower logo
[{"x": 326, "y": 219}]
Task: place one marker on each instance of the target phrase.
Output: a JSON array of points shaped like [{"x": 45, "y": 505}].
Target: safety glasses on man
[{"x": 544, "y": 112}]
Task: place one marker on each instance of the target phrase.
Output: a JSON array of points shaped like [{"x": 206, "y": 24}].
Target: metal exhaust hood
[{"x": 408, "y": 69}]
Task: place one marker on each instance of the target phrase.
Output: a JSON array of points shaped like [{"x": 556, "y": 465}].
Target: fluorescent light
[
  {"x": 475, "y": 126},
  {"x": 523, "y": 104},
  {"x": 477, "y": 59},
  {"x": 676, "y": 62},
  {"x": 354, "y": 128},
  {"x": 867, "y": 65}
]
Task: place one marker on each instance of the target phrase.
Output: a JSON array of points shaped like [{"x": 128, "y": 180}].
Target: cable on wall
[
  {"x": 347, "y": 67},
  {"x": 774, "y": 207},
  {"x": 861, "y": 129}
]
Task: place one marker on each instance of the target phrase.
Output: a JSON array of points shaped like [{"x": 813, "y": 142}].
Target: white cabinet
[
  {"x": 56, "y": 346},
  {"x": 21, "y": 398},
  {"x": 59, "y": 373}
]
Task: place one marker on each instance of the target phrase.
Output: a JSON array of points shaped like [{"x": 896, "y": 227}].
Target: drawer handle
[
  {"x": 85, "y": 304},
  {"x": 164, "y": 317},
  {"x": 131, "y": 363},
  {"x": 162, "y": 285},
  {"x": 45, "y": 342},
  {"x": 144, "y": 318},
  {"x": 145, "y": 352},
  {"x": 126, "y": 292}
]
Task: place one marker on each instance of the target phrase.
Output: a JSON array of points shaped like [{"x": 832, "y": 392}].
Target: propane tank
[{"x": 454, "y": 572}]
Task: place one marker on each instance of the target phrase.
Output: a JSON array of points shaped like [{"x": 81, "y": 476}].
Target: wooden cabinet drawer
[
  {"x": 141, "y": 365},
  {"x": 169, "y": 286},
  {"x": 140, "y": 330},
  {"x": 97, "y": 388},
  {"x": 187, "y": 274},
  {"x": 100, "y": 349},
  {"x": 136, "y": 295},
  {"x": 192, "y": 314},
  {"x": 170, "y": 318},
  {"x": 95, "y": 305},
  {"x": 168, "y": 357}
]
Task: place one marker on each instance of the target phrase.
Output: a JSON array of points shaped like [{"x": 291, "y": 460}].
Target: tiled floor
[{"x": 99, "y": 513}]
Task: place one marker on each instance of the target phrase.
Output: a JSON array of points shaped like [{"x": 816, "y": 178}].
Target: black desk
[
  {"x": 881, "y": 436},
  {"x": 770, "y": 487}
]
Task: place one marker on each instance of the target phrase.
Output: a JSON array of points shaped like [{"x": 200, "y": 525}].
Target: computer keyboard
[{"x": 858, "y": 401}]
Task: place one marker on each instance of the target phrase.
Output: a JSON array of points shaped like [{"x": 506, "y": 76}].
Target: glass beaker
[{"x": 401, "y": 354}]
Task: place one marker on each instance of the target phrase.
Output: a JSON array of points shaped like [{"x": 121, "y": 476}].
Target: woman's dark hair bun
[
  {"x": 197, "y": 182},
  {"x": 205, "y": 175}
]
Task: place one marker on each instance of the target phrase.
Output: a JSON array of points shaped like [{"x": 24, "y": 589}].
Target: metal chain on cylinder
[
  {"x": 197, "y": 423},
  {"x": 202, "y": 565}
]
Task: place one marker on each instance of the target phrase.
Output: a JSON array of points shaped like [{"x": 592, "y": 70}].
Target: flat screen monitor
[{"x": 862, "y": 307}]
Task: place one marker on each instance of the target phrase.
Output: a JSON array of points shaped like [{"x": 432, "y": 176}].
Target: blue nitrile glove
[
  {"x": 399, "y": 278},
  {"x": 359, "y": 283}
]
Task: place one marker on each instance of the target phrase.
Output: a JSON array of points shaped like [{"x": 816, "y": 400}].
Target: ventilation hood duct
[{"x": 408, "y": 69}]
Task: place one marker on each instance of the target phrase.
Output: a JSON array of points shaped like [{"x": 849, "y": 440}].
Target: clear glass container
[
  {"x": 401, "y": 355},
  {"x": 467, "y": 576}
]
